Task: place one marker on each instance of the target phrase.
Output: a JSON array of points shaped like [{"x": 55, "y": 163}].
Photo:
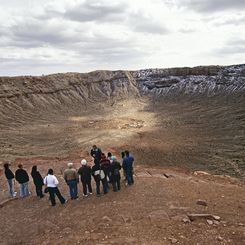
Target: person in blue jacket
[{"x": 128, "y": 165}]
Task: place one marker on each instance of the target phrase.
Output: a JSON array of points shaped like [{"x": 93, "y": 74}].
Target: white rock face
[{"x": 208, "y": 81}]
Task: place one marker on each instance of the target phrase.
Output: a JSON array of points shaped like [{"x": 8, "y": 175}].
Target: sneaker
[
  {"x": 85, "y": 195},
  {"x": 90, "y": 193},
  {"x": 65, "y": 202}
]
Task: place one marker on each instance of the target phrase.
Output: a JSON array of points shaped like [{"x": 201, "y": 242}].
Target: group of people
[{"x": 105, "y": 171}]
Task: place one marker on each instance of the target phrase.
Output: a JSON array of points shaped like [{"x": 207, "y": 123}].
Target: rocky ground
[
  {"x": 158, "y": 209},
  {"x": 49, "y": 121}
]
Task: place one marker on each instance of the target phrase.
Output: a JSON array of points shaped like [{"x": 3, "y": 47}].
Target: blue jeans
[
  {"x": 73, "y": 188},
  {"x": 24, "y": 191},
  {"x": 10, "y": 187}
]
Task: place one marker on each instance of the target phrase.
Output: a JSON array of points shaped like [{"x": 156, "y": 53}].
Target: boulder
[
  {"x": 202, "y": 203},
  {"x": 194, "y": 217}
]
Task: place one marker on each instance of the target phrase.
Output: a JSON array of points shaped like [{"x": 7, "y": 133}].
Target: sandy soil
[
  {"x": 176, "y": 137},
  {"x": 150, "y": 212}
]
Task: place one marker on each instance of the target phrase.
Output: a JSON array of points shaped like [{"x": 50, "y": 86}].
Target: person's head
[
  {"x": 113, "y": 158},
  {"x": 20, "y": 166},
  {"x": 69, "y": 164},
  {"x": 109, "y": 154},
  {"x": 34, "y": 168},
  {"x": 103, "y": 156},
  {"x": 123, "y": 154},
  {"x": 51, "y": 171},
  {"x": 127, "y": 153},
  {"x": 6, "y": 165},
  {"x": 94, "y": 147},
  {"x": 84, "y": 162}
]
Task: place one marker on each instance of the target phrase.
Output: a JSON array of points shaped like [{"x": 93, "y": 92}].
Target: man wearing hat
[{"x": 85, "y": 172}]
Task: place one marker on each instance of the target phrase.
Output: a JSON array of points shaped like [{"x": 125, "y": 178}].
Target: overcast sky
[{"x": 49, "y": 36}]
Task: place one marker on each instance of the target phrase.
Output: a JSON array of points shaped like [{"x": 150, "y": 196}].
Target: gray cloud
[
  {"x": 36, "y": 33},
  {"x": 232, "y": 47},
  {"x": 104, "y": 49},
  {"x": 235, "y": 21},
  {"x": 92, "y": 10},
  {"x": 207, "y": 6},
  {"x": 109, "y": 13},
  {"x": 146, "y": 24}
]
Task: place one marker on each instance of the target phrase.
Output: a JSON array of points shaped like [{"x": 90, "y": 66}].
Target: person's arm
[
  {"x": 92, "y": 153},
  {"x": 56, "y": 182},
  {"x": 12, "y": 174},
  {"x": 65, "y": 176},
  {"x": 79, "y": 171},
  {"x": 27, "y": 176},
  {"x": 45, "y": 181},
  {"x": 77, "y": 176},
  {"x": 40, "y": 177},
  {"x": 124, "y": 164},
  {"x": 92, "y": 171},
  {"x": 17, "y": 176}
]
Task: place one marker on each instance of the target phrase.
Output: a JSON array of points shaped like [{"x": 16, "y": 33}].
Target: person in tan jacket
[{"x": 71, "y": 178}]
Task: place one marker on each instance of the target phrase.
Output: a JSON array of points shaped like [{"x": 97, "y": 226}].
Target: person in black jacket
[
  {"x": 99, "y": 176},
  {"x": 85, "y": 173},
  {"x": 10, "y": 178},
  {"x": 22, "y": 178},
  {"x": 38, "y": 181},
  {"x": 115, "y": 174},
  {"x": 96, "y": 154},
  {"x": 105, "y": 166}
]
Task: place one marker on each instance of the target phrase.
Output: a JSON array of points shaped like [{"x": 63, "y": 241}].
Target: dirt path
[{"x": 150, "y": 212}]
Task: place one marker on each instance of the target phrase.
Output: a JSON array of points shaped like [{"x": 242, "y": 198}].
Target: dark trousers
[
  {"x": 55, "y": 191},
  {"x": 104, "y": 184},
  {"x": 39, "y": 191},
  {"x": 87, "y": 187},
  {"x": 116, "y": 183},
  {"x": 129, "y": 177}
]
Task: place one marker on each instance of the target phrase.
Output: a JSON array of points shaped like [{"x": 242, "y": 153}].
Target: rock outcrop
[{"x": 209, "y": 81}]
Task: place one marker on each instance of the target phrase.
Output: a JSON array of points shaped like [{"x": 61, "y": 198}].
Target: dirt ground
[
  {"x": 152, "y": 211},
  {"x": 174, "y": 137}
]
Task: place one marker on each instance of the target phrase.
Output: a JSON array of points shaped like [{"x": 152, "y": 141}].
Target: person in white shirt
[{"x": 51, "y": 183}]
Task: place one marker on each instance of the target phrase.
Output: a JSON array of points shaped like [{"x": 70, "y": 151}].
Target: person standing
[
  {"x": 99, "y": 176},
  {"x": 96, "y": 154},
  {"x": 85, "y": 173},
  {"x": 128, "y": 161},
  {"x": 71, "y": 178},
  {"x": 10, "y": 179},
  {"x": 22, "y": 178},
  {"x": 38, "y": 181},
  {"x": 115, "y": 174},
  {"x": 105, "y": 166},
  {"x": 51, "y": 183},
  {"x": 109, "y": 155},
  {"x": 122, "y": 156}
]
